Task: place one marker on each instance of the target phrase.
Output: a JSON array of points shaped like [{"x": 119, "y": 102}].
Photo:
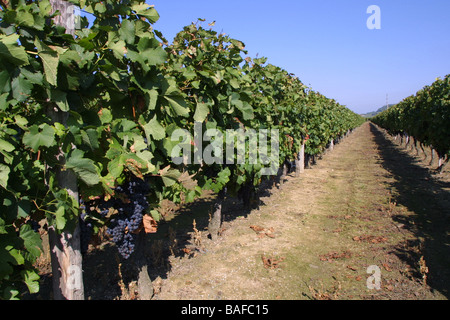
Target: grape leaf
[
  {"x": 127, "y": 31},
  {"x": 169, "y": 176},
  {"x": 84, "y": 168},
  {"x": 4, "y": 175},
  {"x": 178, "y": 104},
  {"x": 154, "y": 56},
  {"x": 146, "y": 11},
  {"x": 50, "y": 60},
  {"x": 32, "y": 240},
  {"x": 10, "y": 50},
  {"x": 31, "y": 279},
  {"x": 38, "y": 136},
  {"x": 201, "y": 112},
  {"x": 6, "y": 146},
  {"x": 118, "y": 48},
  {"x": 155, "y": 129},
  {"x": 21, "y": 88}
]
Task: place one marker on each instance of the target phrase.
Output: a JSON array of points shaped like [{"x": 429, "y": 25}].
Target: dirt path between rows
[{"x": 367, "y": 204}]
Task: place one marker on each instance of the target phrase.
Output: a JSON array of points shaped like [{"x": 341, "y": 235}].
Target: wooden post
[
  {"x": 144, "y": 284},
  {"x": 300, "y": 161},
  {"x": 66, "y": 17},
  {"x": 216, "y": 218},
  {"x": 65, "y": 249},
  {"x": 331, "y": 147},
  {"x": 432, "y": 156}
]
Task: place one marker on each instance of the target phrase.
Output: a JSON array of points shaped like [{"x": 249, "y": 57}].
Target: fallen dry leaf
[
  {"x": 335, "y": 255},
  {"x": 351, "y": 268},
  {"x": 386, "y": 267},
  {"x": 150, "y": 224},
  {"x": 261, "y": 231},
  {"x": 370, "y": 239},
  {"x": 270, "y": 262},
  {"x": 257, "y": 228}
]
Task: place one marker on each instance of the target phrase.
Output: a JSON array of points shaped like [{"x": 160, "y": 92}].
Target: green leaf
[
  {"x": 169, "y": 176},
  {"x": 32, "y": 240},
  {"x": 60, "y": 129},
  {"x": 84, "y": 168},
  {"x": 100, "y": 7},
  {"x": 178, "y": 104},
  {"x": 90, "y": 138},
  {"x": 127, "y": 31},
  {"x": 118, "y": 48},
  {"x": 50, "y": 60},
  {"x": 3, "y": 227},
  {"x": 23, "y": 208},
  {"x": 5, "y": 81},
  {"x": 60, "y": 98},
  {"x": 153, "y": 98},
  {"x": 18, "y": 257},
  {"x": 126, "y": 125},
  {"x": 105, "y": 116},
  {"x": 11, "y": 51},
  {"x": 6, "y": 258},
  {"x": 154, "y": 56},
  {"x": 31, "y": 279},
  {"x": 60, "y": 218},
  {"x": 155, "y": 129},
  {"x": 6, "y": 146},
  {"x": 4, "y": 103},
  {"x": 224, "y": 176},
  {"x": 11, "y": 294},
  {"x": 247, "y": 111},
  {"x": 146, "y": 156},
  {"x": 36, "y": 137},
  {"x": 146, "y": 11},
  {"x": 115, "y": 166},
  {"x": 4, "y": 175},
  {"x": 155, "y": 215},
  {"x": 243, "y": 106},
  {"x": 147, "y": 41},
  {"x": 201, "y": 112},
  {"x": 25, "y": 18},
  {"x": 21, "y": 88},
  {"x": 234, "y": 83}
]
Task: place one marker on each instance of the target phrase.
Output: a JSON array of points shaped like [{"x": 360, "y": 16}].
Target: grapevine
[
  {"x": 131, "y": 207},
  {"x": 107, "y": 101},
  {"x": 424, "y": 116}
]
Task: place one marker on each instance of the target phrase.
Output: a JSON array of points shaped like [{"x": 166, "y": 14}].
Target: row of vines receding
[{"x": 423, "y": 116}]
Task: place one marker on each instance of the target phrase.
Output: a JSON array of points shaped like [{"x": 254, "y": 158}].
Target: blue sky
[{"x": 327, "y": 44}]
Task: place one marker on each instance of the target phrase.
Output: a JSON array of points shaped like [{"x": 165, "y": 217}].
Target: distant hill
[{"x": 374, "y": 113}]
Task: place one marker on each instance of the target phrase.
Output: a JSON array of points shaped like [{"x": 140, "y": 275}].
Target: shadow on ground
[
  {"x": 105, "y": 272},
  {"x": 416, "y": 188}
]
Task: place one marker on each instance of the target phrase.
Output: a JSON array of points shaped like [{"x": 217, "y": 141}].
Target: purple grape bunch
[
  {"x": 130, "y": 203},
  {"x": 131, "y": 208}
]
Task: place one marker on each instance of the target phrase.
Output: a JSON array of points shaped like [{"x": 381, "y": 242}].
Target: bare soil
[{"x": 369, "y": 202}]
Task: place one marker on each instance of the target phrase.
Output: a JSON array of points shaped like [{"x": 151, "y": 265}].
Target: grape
[
  {"x": 130, "y": 205},
  {"x": 34, "y": 225},
  {"x": 122, "y": 228}
]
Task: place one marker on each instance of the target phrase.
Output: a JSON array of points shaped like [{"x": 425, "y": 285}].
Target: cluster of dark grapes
[
  {"x": 130, "y": 202},
  {"x": 131, "y": 206}
]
